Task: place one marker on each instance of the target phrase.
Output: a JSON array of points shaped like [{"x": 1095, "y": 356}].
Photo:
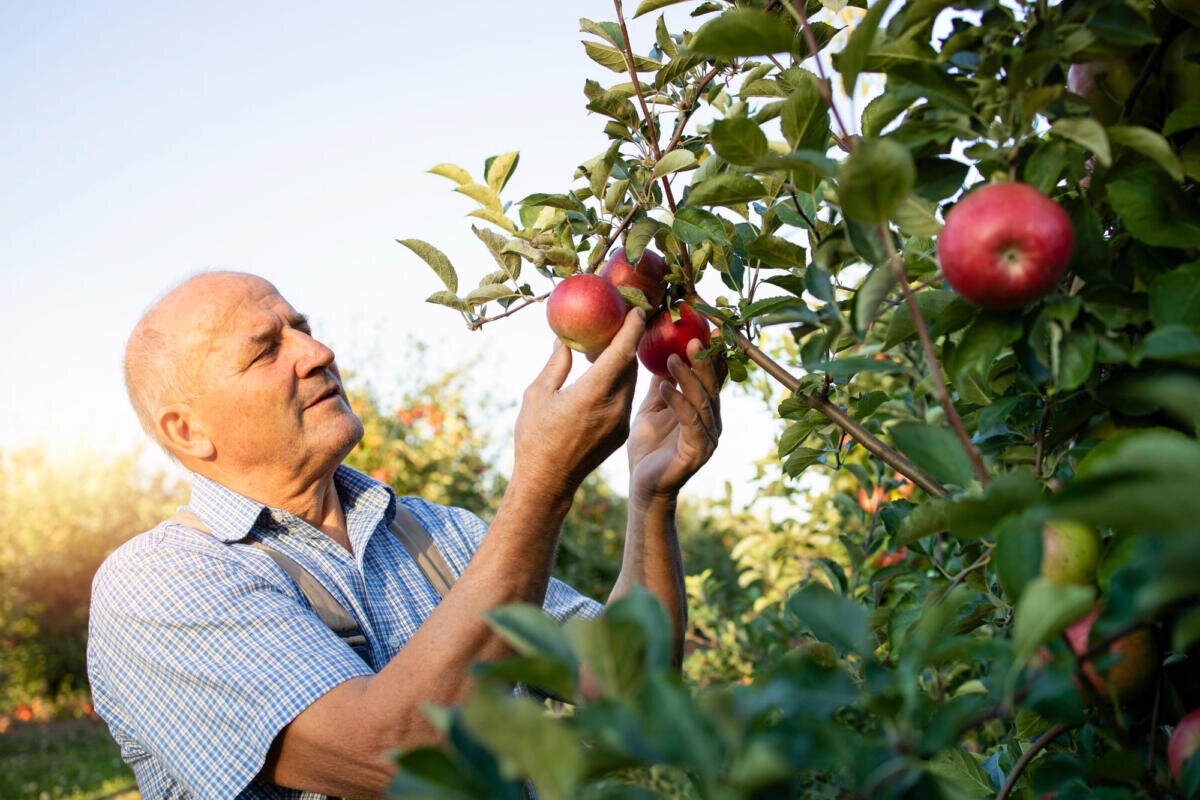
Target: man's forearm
[
  {"x": 652, "y": 559},
  {"x": 374, "y": 715}
]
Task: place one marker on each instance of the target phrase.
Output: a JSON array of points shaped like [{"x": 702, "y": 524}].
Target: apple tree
[{"x": 979, "y": 293}]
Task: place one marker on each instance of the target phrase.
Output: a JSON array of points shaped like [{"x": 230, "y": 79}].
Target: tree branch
[
  {"x": 935, "y": 367},
  {"x": 819, "y": 403},
  {"x": 1037, "y": 747},
  {"x": 479, "y": 323}
]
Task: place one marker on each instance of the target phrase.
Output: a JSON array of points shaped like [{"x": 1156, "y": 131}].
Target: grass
[{"x": 73, "y": 760}]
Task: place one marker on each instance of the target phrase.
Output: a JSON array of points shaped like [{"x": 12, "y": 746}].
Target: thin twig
[
  {"x": 1022, "y": 762},
  {"x": 817, "y": 402},
  {"x": 823, "y": 86},
  {"x": 935, "y": 367},
  {"x": 479, "y": 323},
  {"x": 1041, "y": 439},
  {"x": 976, "y": 564}
]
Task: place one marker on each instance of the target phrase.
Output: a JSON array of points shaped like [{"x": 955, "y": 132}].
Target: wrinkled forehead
[{"x": 220, "y": 312}]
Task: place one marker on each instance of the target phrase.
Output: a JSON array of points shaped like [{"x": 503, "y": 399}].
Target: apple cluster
[{"x": 586, "y": 311}]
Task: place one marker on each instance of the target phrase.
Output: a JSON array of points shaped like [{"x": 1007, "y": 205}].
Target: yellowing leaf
[
  {"x": 454, "y": 173},
  {"x": 484, "y": 195},
  {"x": 501, "y": 169},
  {"x": 494, "y": 217}
]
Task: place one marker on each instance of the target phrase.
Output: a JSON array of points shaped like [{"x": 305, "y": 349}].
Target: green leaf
[
  {"x": 646, "y": 6},
  {"x": 530, "y": 631},
  {"x": 674, "y": 161},
  {"x": 500, "y": 168},
  {"x": 744, "y": 32},
  {"x": 801, "y": 459},
  {"x": 832, "y": 618},
  {"x": 776, "y": 252},
  {"x": 640, "y": 234},
  {"x": 522, "y": 733},
  {"x": 1154, "y": 209},
  {"x": 853, "y": 57},
  {"x": 958, "y": 767},
  {"x": 726, "y": 189},
  {"x": 842, "y": 368},
  {"x": 1175, "y": 296},
  {"x": 738, "y": 140},
  {"x": 973, "y": 516},
  {"x": 485, "y": 294},
  {"x": 926, "y": 79},
  {"x": 925, "y": 519},
  {"x": 454, "y": 173},
  {"x": 1183, "y": 118},
  {"x": 615, "y": 59},
  {"x": 444, "y": 298},
  {"x": 1086, "y": 132},
  {"x": 804, "y": 118},
  {"x": 1045, "y": 609},
  {"x": 901, "y": 327},
  {"x": 915, "y": 217},
  {"x": 794, "y": 436},
  {"x": 936, "y": 450},
  {"x": 1149, "y": 144},
  {"x": 436, "y": 259},
  {"x": 695, "y": 225},
  {"x": 870, "y": 296},
  {"x": 874, "y": 179},
  {"x": 635, "y": 297}
]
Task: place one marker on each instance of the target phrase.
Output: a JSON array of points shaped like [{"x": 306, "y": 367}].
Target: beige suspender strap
[
  {"x": 329, "y": 610},
  {"x": 412, "y": 534}
]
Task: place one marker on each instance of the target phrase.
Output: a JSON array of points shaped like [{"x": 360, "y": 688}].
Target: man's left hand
[{"x": 675, "y": 431}]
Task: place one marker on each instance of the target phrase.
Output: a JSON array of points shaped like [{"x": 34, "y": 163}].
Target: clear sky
[{"x": 141, "y": 142}]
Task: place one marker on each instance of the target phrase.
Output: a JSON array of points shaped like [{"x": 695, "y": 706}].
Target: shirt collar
[{"x": 231, "y": 516}]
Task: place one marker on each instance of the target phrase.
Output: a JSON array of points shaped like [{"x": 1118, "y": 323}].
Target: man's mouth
[{"x": 332, "y": 392}]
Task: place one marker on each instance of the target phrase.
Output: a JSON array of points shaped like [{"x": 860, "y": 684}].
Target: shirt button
[{"x": 394, "y": 640}]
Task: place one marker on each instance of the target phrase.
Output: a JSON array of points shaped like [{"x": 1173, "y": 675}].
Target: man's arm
[
  {"x": 338, "y": 745},
  {"x": 674, "y": 434}
]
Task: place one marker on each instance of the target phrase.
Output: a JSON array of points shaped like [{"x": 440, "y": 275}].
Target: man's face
[{"x": 267, "y": 394}]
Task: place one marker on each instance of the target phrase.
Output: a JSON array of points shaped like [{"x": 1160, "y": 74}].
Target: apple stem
[
  {"x": 1043, "y": 741},
  {"x": 818, "y": 402},
  {"x": 935, "y": 367}
]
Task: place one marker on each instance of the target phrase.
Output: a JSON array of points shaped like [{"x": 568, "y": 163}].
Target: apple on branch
[
  {"x": 649, "y": 276},
  {"x": 665, "y": 336},
  {"x": 585, "y": 312},
  {"x": 1070, "y": 552},
  {"x": 1136, "y": 659},
  {"x": 1005, "y": 245},
  {"x": 1183, "y": 744}
]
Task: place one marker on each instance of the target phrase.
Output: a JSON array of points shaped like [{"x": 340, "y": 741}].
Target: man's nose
[{"x": 313, "y": 356}]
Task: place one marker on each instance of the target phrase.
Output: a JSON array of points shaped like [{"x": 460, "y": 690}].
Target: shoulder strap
[
  {"x": 412, "y": 534},
  {"x": 330, "y": 611}
]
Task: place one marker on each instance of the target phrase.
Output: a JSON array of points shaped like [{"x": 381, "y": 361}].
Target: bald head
[{"x": 163, "y": 353}]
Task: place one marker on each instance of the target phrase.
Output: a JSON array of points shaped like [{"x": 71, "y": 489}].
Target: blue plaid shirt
[{"x": 201, "y": 649}]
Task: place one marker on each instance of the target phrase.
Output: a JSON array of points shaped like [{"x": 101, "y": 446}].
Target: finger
[
  {"x": 653, "y": 401},
  {"x": 710, "y": 369},
  {"x": 615, "y": 359},
  {"x": 555, "y": 373},
  {"x": 691, "y": 427},
  {"x": 693, "y": 390}
]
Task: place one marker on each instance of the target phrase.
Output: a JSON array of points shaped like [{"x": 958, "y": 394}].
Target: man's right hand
[{"x": 564, "y": 434}]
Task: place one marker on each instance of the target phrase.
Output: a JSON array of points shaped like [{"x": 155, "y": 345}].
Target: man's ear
[{"x": 183, "y": 434}]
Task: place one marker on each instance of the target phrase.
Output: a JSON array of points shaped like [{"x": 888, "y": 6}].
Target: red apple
[
  {"x": 1131, "y": 674},
  {"x": 1105, "y": 85},
  {"x": 586, "y": 312},
  {"x": 1183, "y": 744},
  {"x": 650, "y": 274},
  {"x": 665, "y": 336},
  {"x": 1005, "y": 245},
  {"x": 1070, "y": 552}
]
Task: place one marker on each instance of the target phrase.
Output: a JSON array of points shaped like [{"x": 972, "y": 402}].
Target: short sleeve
[
  {"x": 562, "y": 601},
  {"x": 203, "y": 658}
]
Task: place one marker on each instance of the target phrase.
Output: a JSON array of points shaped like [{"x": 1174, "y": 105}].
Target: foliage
[
  {"x": 924, "y": 656},
  {"x": 75, "y": 760},
  {"x": 61, "y": 517}
]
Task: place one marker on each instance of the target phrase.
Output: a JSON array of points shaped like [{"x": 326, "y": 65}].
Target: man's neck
[{"x": 317, "y": 503}]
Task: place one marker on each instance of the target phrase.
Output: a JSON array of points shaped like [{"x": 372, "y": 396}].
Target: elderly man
[{"x": 208, "y": 661}]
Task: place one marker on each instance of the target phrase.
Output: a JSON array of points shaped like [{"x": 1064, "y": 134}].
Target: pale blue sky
[{"x": 140, "y": 142}]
